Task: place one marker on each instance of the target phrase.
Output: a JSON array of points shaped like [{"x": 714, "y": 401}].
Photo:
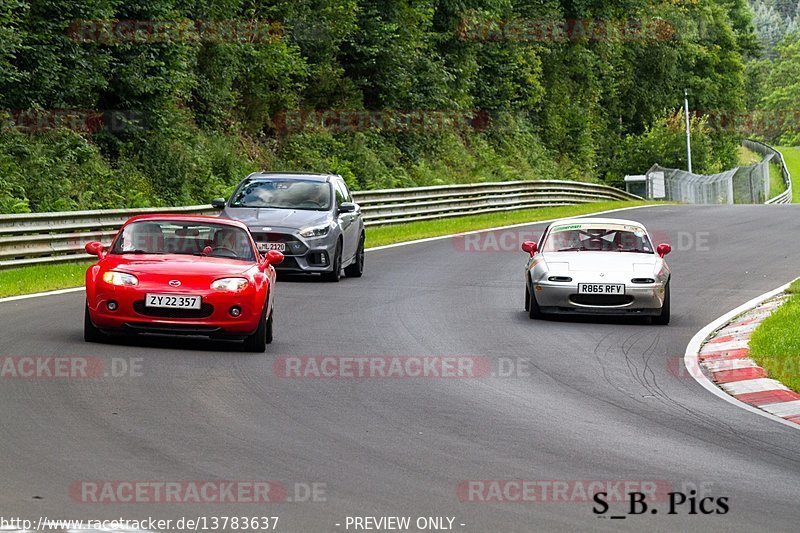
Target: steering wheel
[{"x": 226, "y": 252}]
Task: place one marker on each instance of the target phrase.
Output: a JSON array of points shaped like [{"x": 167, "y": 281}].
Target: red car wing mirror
[
  {"x": 273, "y": 257},
  {"x": 663, "y": 249},
  {"x": 529, "y": 246},
  {"x": 95, "y": 248}
]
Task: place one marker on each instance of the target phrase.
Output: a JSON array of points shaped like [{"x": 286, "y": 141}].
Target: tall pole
[{"x": 688, "y": 133}]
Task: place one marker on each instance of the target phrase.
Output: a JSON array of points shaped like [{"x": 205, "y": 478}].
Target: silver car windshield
[
  {"x": 597, "y": 238},
  {"x": 283, "y": 194}
]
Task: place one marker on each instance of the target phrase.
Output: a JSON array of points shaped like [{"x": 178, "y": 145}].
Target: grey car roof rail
[{"x": 291, "y": 173}]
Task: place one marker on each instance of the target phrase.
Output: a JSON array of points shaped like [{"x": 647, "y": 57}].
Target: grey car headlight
[{"x": 315, "y": 231}]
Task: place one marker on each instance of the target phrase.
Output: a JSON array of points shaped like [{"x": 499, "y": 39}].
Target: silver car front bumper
[{"x": 563, "y": 298}]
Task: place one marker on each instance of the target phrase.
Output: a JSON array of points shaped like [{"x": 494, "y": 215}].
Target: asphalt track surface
[{"x": 601, "y": 399}]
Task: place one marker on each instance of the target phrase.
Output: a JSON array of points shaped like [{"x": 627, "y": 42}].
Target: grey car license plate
[{"x": 267, "y": 246}]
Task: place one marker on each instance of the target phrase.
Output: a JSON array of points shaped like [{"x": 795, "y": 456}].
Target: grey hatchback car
[{"x": 310, "y": 218}]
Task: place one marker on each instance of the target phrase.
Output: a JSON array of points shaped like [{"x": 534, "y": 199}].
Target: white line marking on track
[{"x": 40, "y": 294}]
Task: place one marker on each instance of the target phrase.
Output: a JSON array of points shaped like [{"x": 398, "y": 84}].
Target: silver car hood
[
  {"x": 600, "y": 261},
  {"x": 259, "y": 218}
]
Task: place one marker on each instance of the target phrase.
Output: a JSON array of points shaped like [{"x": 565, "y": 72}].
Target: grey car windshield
[
  {"x": 283, "y": 194},
  {"x": 597, "y": 238}
]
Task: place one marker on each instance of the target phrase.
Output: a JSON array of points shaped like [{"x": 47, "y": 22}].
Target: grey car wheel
[
  {"x": 336, "y": 273},
  {"x": 356, "y": 269}
]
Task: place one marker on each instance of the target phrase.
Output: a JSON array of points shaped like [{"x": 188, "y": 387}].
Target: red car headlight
[
  {"x": 230, "y": 284},
  {"x": 112, "y": 277}
]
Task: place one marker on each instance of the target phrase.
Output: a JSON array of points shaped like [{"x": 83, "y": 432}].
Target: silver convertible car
[{"x": 598, "y": 266}]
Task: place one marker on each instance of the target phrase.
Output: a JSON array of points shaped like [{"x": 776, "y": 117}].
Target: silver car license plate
[
  {"x": 267, "y": 246},
  {"x": 601, "y": 288},
  {"x": 173, "y": 301}
]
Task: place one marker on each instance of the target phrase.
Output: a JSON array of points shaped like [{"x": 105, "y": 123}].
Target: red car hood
[{"x": 175, "y": 265}]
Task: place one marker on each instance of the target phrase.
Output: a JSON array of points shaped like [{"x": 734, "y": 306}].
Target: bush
[
  {"x": 59, "y": 171},
  {"x": 665, "y": 143}
]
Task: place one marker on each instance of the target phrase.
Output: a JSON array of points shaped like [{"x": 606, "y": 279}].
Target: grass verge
[
  {"x": 27, "y": 280},
  {"x": 40, "y": 278},
  {"x": 776, "y": 185},
  {"x": 791, "y": 156},
  {"x": 775, "y": 345}
]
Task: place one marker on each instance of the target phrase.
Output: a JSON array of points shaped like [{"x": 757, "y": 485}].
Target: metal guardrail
[
  {"x": 390, "y": 206},
  {"x": 41, "y": 238},
  {"x": 765, "y": 150}
]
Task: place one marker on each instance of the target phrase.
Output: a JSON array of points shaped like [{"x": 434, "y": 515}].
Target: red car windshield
[
  {"x": 597, "y": 238},
  {"x": 184, "y": 238}
]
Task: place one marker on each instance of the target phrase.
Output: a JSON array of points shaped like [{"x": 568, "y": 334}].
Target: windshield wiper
[{"x": 573, "y": 249}]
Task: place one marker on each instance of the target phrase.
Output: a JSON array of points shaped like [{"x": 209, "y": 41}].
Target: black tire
[
  {"x": 257, "y": 342},
  {"x": 336, "y": 273},
  {"x": 269, "y": 327},
  {"x": 663, "y": 318},
  {"x": 532, "y": 305},
  {"x": 90, "y": 331},
  {"x": 356, "y": 269}
]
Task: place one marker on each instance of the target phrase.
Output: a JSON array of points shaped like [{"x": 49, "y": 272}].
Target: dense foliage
[
  {"x": 773, "y": 80},
  {"x": 575, "y": 89},
  {"x": 773, "y": 21}
]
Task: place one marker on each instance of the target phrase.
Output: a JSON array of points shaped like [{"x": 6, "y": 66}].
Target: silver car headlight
[
  {"x": 315, "y": 231},
  {"x": 230, "y": 284}
]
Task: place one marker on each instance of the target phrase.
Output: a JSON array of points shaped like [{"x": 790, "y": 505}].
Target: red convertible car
[{"x": 184, "y": 275}]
